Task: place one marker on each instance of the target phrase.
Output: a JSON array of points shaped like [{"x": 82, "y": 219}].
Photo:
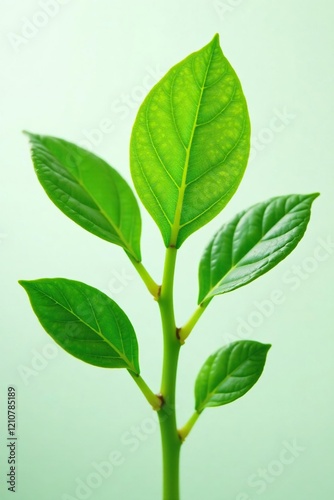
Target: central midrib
[{"x": 179, "y": 205}]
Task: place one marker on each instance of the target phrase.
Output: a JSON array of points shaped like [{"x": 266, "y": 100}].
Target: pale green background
[{"x": 65, "y": 80}]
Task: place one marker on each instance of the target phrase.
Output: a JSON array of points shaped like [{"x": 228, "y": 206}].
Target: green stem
[
  {"x": 152, "y": 398},
  {"x": 171, "y": 442},
  {"x": 183, "y": 433},
  {"x": 151, "y": 285},
  {"x": 171, "y": 445}
]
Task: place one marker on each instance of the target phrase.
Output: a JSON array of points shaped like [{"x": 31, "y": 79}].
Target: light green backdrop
[{"x": 79, "y": 71}]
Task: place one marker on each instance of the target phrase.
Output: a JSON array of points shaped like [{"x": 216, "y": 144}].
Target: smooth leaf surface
[
  {"x": 190, "y": 143},
  {"x": 229, "y": 373},
  {"x": 85, "y": 322},
  {"x": 88, "y": 190},
  {"x": 252, "y": 243}
]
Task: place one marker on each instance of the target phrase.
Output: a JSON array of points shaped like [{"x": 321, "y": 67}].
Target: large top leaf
[
  {"x": 88, "y": 190},
  {"x": 229, "y": 373},
  {"x": 253, "y": 243},
  {"x": 190, "y": 143},
  {"x": 85, "y": 322}
]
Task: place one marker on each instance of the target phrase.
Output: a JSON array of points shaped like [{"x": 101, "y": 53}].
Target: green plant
[{"x": 189, "y": 149}]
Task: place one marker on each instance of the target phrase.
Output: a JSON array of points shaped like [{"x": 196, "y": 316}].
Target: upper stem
[
  {"x": 171, "y": 442},
  {"x": 171, "y": 341}
]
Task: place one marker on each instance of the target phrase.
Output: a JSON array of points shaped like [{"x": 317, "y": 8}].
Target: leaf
[
  {"x": 229, "y": 373},
  {"x": 84, "y": 322},
  {"x": 88, "y": 190},
  {"x": 253, "y": 243},
  {"x": 190, "y": 143}
]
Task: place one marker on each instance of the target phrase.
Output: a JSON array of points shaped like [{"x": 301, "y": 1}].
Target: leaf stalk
[
  {"x": 154, "y": 400},
  {"x": 185, "y": 430},
  {"x": 151, "y": 285},
  {"x": 187, "y": 328}
]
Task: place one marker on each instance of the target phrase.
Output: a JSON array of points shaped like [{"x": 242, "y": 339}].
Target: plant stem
[
  {"x": 171, "y": 442},
  {"x": 183, "y": 433},
  {"x": 152, "y": 398},
  {"x": 151, "y": 285},
  {"x": 171, "y": 445}
]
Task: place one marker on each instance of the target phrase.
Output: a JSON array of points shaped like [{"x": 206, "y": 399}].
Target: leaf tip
[
  {"x": 24, "y": 283},
  {"x": 215, "y": 42},
  {"x": 311, "y": 197},
  {"x": 31, "y": 137},
  {"x": 27, "y": 133}
]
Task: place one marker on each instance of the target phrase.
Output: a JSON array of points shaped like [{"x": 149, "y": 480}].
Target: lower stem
[
  {"x": 171, "y": 445},
  {"x": 170, "y": 439}
]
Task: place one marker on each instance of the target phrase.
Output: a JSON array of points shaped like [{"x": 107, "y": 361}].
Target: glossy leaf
[
  {"x": 229, "y": 373},
  {"x": 84, "y": 322},
  {"x": 253, "y": 243},
  {"x": 190, "y": 143},
  {"x": 88, "y": 191}
]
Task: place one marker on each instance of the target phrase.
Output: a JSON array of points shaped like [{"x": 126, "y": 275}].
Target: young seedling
[{"x": 189, "y": 149}]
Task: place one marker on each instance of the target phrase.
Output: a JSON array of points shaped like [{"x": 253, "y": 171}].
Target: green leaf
[
  {"x": 84, "y": 322},
  {"x": 253, "y": 243},
  {"x": 190, "y": 143},
  {"x": 88, "y": 191},
  {"x": 229, "y": 373}
]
